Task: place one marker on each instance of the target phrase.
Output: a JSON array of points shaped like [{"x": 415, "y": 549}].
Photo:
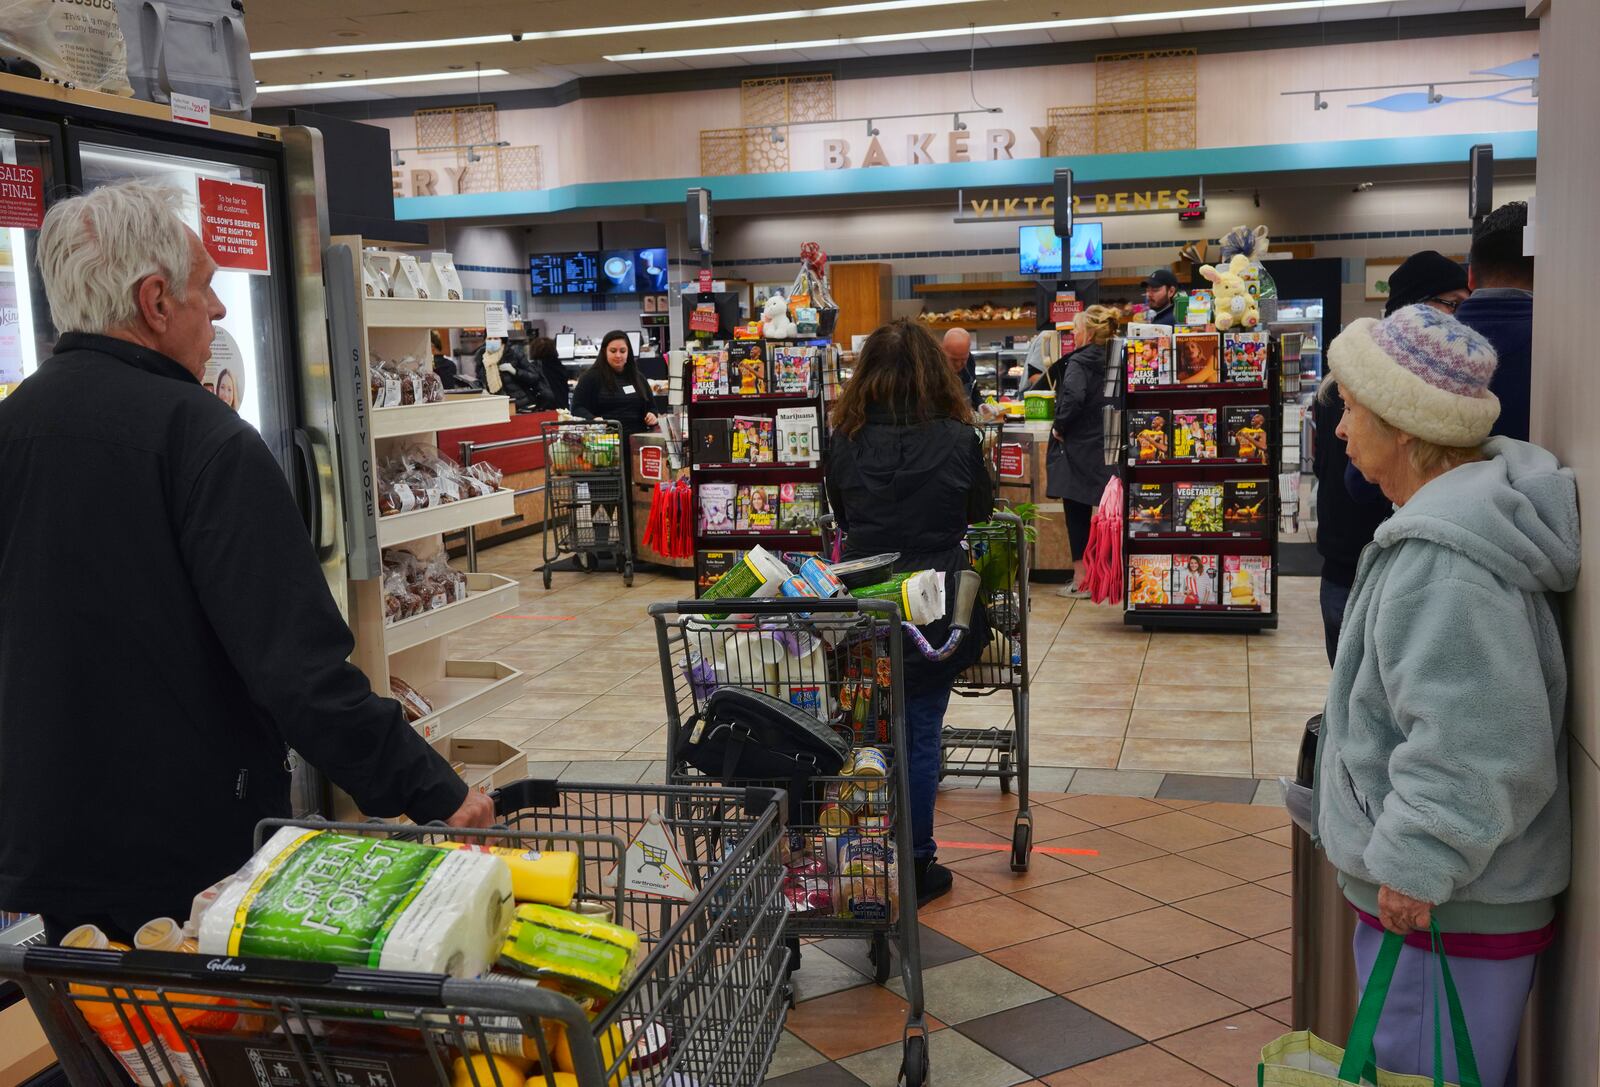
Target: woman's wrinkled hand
[{"x": 1402, "y": 914}]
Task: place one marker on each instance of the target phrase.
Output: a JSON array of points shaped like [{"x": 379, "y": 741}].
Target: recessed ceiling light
[
  {"x": 347, "y": 33},
  {"x": 628, "y": 28},
  {"x": 1005, "y": 28},
  {"x": 380, "y": 81},
  {"x": 347, "y": 75}
]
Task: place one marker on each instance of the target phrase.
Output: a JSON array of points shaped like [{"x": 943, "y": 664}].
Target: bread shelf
[
  {"x": 403, "y": 527},
  {"x": 468, "y": 691},
  {"x": 422, "y": 313},
  {"x": 978, "y": 287},
  {"x": 945, "y": 326},
  {"x": 488, "y": 595},
  {"x": 453, "y": 413}
]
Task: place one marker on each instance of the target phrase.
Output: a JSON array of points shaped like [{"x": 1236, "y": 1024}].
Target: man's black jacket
[{"x": 165, "y": 635}]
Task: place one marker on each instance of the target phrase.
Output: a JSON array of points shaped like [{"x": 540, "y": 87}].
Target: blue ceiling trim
[{"x": 1209, "y": 161}]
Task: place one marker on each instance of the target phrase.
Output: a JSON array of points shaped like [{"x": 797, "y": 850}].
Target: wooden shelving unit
[
  {"x": 460, "y": 691},
  {"x": 945, "y": 326},
  {"x": 989, "y": 286}
]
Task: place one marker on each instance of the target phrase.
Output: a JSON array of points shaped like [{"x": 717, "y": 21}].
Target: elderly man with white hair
[{"x": 167, "y": 636}]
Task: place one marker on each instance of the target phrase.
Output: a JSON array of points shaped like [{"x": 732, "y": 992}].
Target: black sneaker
[{"x": 933, "y": 880}]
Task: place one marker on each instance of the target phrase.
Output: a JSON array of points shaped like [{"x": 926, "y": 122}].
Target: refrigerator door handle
[{"x": 310, "y": 492}]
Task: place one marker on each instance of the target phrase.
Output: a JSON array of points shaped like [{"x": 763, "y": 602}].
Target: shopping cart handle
[
  {"x": 528, "y": 793},
  {"x": 778, "y": 605},
  {"x": 967, "y": 585}
]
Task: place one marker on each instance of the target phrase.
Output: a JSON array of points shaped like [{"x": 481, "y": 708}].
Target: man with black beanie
[
  {"x": 1501, "y": 308},
  {"x": 1427, "y": 277}
]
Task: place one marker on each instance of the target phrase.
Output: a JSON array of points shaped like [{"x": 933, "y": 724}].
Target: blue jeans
[
  {"x": 1334, "y": 598},
  {"x": 924, "y": 729}
]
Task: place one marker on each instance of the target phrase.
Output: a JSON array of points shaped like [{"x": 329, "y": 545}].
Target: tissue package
[{"x": 373, "y": 902}]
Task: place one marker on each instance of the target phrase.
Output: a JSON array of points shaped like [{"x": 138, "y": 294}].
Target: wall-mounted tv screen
[
  {"x": 562, "y": 273},
  {"x": 650, "y": 270},
  {"x": 1039, "y": 250},
  {"x": 608, "y": 271}
]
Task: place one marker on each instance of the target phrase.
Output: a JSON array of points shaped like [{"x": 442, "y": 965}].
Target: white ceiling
[{"x": 299, "y": 24}]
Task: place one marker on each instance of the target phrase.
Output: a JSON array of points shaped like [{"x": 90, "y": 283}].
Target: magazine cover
[
  {"x": 1247, "y": 582},
  {"x": 752, "y": 365},
  {"x": 713, "y": 441},
  {"x": 711, "y": 565},
  {"x": 710, "y": 373},
  {"x": 752, "y": 440},
  {"x": 1197, "y": 507},
  {"x": 799, "y": 506},
  {"x": 1244, "y": 432},
  {"x": 757, "y": 507},
  {"x": 1148, "y": 579},
  {"x": 1244, "y": 358},
  {"x": 796, "y": 435},
  {"x": 1149, "y": 508},
  {"x": 1194, "y": 579},
  {"x": 793, "y": 368},
  {"x": 1194, "y": 434},
  {"x": 1197, "y": 358},
  {"x": 1147, "y": 435},
  {"x": 1149, "y": 361},
  {"x": 1244, "y": 506},
  {"x": 715, "y": 508}
]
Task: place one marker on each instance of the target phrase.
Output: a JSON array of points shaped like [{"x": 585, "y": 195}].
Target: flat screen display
[
  {"x": 650, "y": 270},
  {"x": 618, "y": 268},
  {"x": 580, "y": 270},
  {"x": 562, "y": 273},
  {"x": 1039, "y": 250}
]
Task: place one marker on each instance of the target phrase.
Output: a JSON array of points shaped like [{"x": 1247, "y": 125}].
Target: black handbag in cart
[{"x": 745, "y": 736}]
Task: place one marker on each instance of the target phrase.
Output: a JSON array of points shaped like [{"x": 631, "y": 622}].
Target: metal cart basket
[
  {"x": 999, "y": 550},
  {"x": 849, "y": 869},
  {"x": 706, "y": 1005},
  {"x": 587, "y": 508}
]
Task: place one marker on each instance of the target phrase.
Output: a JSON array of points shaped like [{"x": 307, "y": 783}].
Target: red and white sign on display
[
  {"x": 233, "y": 224},
  {"x": 21, "y": 196},
  {"x": 651, "y": 460},
  {"x": 705, "y": 279},
  {"x": 703, "y": 319},
  {"x": 1012, "y": 464}
]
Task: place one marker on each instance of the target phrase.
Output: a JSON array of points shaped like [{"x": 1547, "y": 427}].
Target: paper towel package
[{"x": 373, "y": 902}]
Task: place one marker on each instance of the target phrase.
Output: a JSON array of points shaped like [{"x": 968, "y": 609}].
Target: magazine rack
[
  {"x": 714, "y": 465},
  {"x": 1244, "y": 536}
]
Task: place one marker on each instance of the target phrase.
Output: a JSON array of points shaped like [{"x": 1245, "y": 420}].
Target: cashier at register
[{"x": 167, "y": 636}]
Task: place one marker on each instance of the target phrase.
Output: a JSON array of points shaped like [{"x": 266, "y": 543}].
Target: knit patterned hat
[{"x": 1421, "y": 371}]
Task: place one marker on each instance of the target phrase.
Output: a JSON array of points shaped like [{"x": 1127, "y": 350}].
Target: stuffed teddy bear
[
  {"x": 775, "y": 323},
  {"x": 1235, "y": 305}
]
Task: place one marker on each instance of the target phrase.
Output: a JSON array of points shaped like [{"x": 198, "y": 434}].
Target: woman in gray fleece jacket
[{"x": 1441, "y": 788}]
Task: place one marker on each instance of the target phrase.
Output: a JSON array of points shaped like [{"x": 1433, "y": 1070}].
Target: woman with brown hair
[{"x": 905, "y": 473}]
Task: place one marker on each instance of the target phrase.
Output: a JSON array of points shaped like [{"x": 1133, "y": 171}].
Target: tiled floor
[{"x": 1104, "y": 696}]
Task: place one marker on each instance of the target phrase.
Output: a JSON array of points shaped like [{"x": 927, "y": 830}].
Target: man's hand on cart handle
[{"x": 476, "y": 811}]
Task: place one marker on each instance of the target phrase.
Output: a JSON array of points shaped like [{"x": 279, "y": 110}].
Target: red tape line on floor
[{"x": 989, "y": 848}]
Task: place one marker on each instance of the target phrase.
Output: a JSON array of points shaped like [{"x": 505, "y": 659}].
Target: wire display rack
[
  {"x": 587, "y": 507},
  {"x": 849, "y": 843},
  {"x": 706, "y": 1004}
]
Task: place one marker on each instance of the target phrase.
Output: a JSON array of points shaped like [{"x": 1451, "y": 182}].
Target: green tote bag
[{"x": 1301, "y": 1059}]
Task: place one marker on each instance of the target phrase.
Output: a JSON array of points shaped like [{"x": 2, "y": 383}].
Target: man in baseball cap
[{"x": 1160, "y": 288}]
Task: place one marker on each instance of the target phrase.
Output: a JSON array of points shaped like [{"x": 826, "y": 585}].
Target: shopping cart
[
  {"x": 999, "y": 550},
  {"x": 706, "y": 1006},
  {"x": 587, "y": 507},
  {"x": 843, "y": 660}
]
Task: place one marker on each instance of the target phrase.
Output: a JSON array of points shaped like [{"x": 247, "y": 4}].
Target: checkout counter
[{"x": 1024, "y": 445}]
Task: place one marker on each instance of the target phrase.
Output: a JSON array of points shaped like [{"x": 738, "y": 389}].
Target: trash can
[{"x": 1325, "y": 991}]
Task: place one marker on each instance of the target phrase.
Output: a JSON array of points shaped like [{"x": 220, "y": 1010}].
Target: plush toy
[
  {"x": 1236, "y": 306},
  {"x": 775, "y": 323}
]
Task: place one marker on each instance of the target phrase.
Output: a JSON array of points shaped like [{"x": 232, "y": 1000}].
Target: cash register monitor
[{"x": 566, "y": 345}]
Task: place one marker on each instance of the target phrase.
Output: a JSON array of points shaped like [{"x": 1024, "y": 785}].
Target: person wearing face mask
[
  {"x": 506, "y": 371},
  {"x": 613, "y": 388}
]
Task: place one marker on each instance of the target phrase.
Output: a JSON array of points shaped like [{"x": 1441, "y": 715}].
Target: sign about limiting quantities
[
  {"x": 21, "y": 196},
  {"x": 233, "y": 224}
]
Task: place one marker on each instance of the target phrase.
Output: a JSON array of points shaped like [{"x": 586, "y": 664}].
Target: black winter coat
[
  {"x": 592, "y": 400},
  {"x": 913, "y": 488},
  {"x": 1346, "y": 522},
  {"x": 1076, "y": 465},
  {"x": 166, "y": 636},
  {"x": 522, "y": 381}
]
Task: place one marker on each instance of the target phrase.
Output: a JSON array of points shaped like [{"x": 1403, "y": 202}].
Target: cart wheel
[
  {"x": 1021, "y": 846},
  {"x": 1005, "y": 774},
  {"x": 547, "y": 577},
  {"x": 878, "y": 955},
  {"x": 627, "y": 575},
  {"x": 788, "y": 996},
  {"x": 914, "y": 1068}
]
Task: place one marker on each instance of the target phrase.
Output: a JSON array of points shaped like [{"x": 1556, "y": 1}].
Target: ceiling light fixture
[
  {"x": 596, "y": 31},
  {"x": 1005, "y": 28},
  {"x": 380, "y": 81},
  {"x": 1434, "y": 97}
]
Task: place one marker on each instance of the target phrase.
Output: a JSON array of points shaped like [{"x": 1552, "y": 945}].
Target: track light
[
  {"x": 872, "y": 129},
  {"x": 1317, "y": 102},
  {"x": 958, "y": 123}
]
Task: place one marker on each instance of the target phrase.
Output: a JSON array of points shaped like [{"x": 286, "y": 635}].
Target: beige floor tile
[
  {"x": 1200, "y": 696},
  {"x": 582, "y": 730},
  {"x": 1307, "y": 700},
  {"x": 1228, "y": 1049},
  {"x": 1099, "y": 850},
  {"x": 1248, "y": 909},
  {"x": 1086, "y": 900},
  {"x": 1156, "y": 1003},
  {"x": 1179, "y": 657},
  {"x": 1278, "y": 727},
  {"x": 536, "y": 753},
  {"x": 1247, "y": 858},
  {"x": 516, "y": 731},
  {"x": 1283, "y": 835},
  {"x": 1289, "y": 675},
  {"x": 545, "y": 705},
  {"x": 1108, "y": 811},
  {"x": 1167, "y": 672},
  {"x": 1163, "y": 934},
  {"x": 1076, "y": 721},
  {"x": 1067, "y": 961},
  {"x": 1146, "y": 1065},
  {"x": 1247, "y": 818},
  {"x": 1187, "y": 640},
  {"x": 1044, "y": 697},
  {"x": 1100, "y": 752},
  {"x": 1170, "y": 878},
  {"x": 1176, "y": 831},
  {"x": 1274, "y": 758},
  {"x": 1064, "y": 668},
  {"x": 1291, "y": 656},
  {"x": 1067, "y": 650},
  {"x": 1129, "y": 639},
  {"x": 1175, "y": 724},
  {"x": 1187, "y": 756},
  {"x": 1283, "y": 940}
]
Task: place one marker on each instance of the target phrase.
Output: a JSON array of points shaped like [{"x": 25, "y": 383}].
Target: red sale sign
[
  {"x": 703, "y": 320},
  {"x": 21, "y": 196},
  {"x": 651, "y": 461},
  {"x": 705, "y": 279},
  {"x": 233, "y": 224},
  {"x": 1011, "y": 462},
  {"x": 1063, "y": 310}
]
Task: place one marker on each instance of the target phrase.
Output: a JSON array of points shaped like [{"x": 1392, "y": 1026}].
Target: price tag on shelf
[
  {"x": 190, "y": 110},
  {"x": 496, "y": 325}
]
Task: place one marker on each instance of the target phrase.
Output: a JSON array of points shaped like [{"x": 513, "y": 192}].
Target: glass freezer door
[
  {"x": 29, "y": 170},
  {"x": 250, "y": 366}
]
